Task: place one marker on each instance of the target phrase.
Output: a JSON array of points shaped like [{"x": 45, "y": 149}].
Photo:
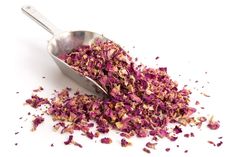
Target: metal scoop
[{"x": 64, "y": 42}]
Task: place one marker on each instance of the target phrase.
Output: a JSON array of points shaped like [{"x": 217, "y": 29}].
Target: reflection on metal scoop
[{"x": 66, "y": 42}]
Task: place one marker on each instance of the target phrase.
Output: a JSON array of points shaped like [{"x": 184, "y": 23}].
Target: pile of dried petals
[{"x": 142, "y": 101}]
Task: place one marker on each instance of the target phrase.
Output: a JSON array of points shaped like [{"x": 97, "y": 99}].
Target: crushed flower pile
[{"x": 142, "y": 101}]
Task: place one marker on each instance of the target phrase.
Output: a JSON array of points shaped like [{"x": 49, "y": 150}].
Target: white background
[{"x": 191, "y": 38}]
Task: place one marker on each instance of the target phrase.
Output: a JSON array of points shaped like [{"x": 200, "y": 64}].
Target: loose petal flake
[
  {"x": 36, "y": 122},
  {"x": 151, "y": 145},
  {"x": 106, "y": 140},
  {"x": 125, "y": 143},
  {"x": 146, "y": 150}
]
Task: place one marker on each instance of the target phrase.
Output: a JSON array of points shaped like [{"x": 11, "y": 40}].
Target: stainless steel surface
[
  {"x": 40, "y": 19},
  {"x": 65, "y": 42}
]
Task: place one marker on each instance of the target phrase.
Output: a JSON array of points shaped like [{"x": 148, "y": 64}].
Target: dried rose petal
[
  {"x": 69, "y": 140},
  {"x": 197, "y": 103},
  {"x": 58, "y": 125},
  {"x": 106, "y": 140},
  {"x": 68, "y": 88},
  {"x": 90, "y": 124},
  {"x": 177, "y": 129},
  {"x": 151, "y": 145},
  {"x": 125, "y": 143},
  {"x": 97, "y": 134},
  {"x": 192, "y": 134},
  {"x": 219, "y": 144},
  {"x": 213, "y": 125},
  {"x": 202, "y": 119},
  {"x": 211, "y": 142},
  {"x": 36, "y": 122},
  {"x": 67, "y": 129},
  {"x": 204, "y": 94},
  {"x": 146, "y": 150},
  {"x": 141, "y": 133},
  {"x": 162, "y": 133},
  {"x": 155, "y": 138},
  {"x": 153, "y": 132},
  {"x": 77, "y": 144},
  {"x": 127, "y": 135},
  {"x": 90, "y": 135},
  {"x": 38, "y": 90},
  {"x": 172, "y": 138},
  {"x": 36, "y": 101},
  {"x": 103, "y": 129}
]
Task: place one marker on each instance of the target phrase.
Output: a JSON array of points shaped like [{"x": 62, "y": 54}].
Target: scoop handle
[{"x": 40, "y": 19}]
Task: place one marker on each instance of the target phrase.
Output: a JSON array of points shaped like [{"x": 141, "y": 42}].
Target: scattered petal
[
  {"x": 219, "y": 144},
  {"x": 69, "y": 140},
  {"x": 125, "y": 143},
  {"x": 177, "y": 129},
  {"x": 213, "y": 125},
  {"x": 151, "y": 145},
  {"x": 106, "y": 140},
  {"x": 36, "y": 122},
  {"x": 211, "y": 142},
  {"x": 146, "y": 150}
]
